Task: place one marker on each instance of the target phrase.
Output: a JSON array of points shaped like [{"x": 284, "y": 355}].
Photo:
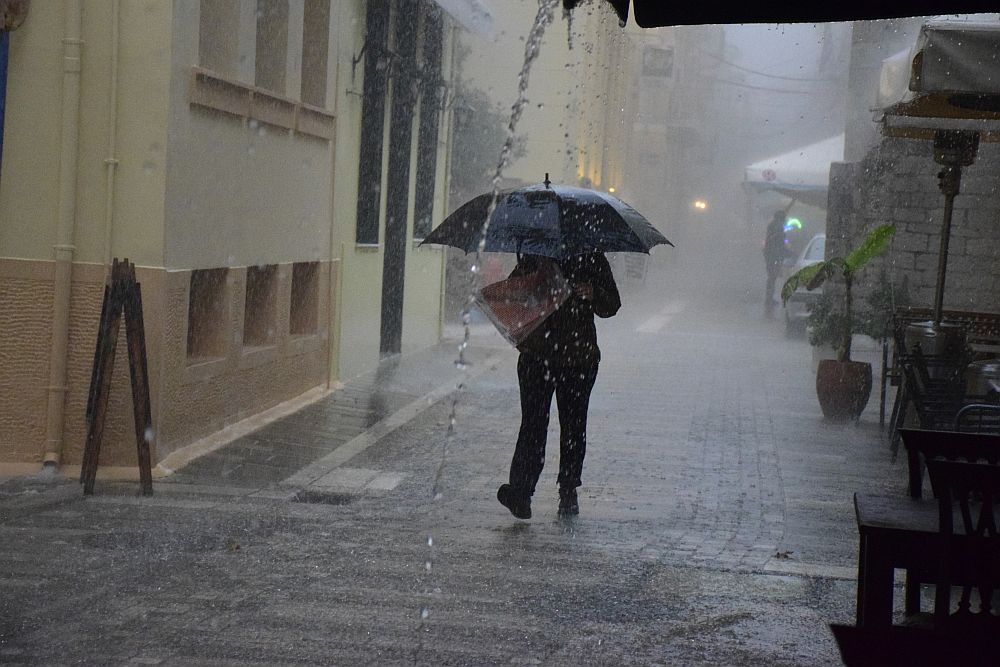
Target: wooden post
[{"x": 120, "y": 294}]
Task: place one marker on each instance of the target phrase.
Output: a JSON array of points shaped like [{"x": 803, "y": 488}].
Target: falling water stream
[{"x": 543, "y": 19}]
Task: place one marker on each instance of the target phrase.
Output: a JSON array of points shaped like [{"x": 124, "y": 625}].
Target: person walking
[
  {"x": 775, "y": 253},
  {"x": 561, "y": 357}
]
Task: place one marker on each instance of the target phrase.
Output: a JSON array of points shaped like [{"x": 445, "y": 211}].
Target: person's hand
[{"x": 584, "y": 290}]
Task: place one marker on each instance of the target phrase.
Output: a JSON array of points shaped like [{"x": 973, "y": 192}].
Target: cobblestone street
[{"x": 716, "y": 523}]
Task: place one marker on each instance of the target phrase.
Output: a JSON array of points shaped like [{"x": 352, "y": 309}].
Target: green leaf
[
  {"x": 802, "y": 277},
  {"x": 874, "y": 244},
  {"x": 828, "y": 269}
]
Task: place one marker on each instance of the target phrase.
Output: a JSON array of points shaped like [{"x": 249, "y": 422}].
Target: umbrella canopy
[{"x": 556, "y": 221}]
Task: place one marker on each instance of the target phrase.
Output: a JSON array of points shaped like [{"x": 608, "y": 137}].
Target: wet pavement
[{"x": 716, "y": 523}]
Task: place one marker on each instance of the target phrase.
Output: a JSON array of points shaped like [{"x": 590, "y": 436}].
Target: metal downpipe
[
  {"x": 111, "y": 161},
  {"x": 63, "y": 248}
]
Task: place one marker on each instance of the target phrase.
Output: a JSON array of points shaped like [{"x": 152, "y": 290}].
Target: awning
[
  {"x": 802, "y": 174},
  {"x": 659, "y": 13},
  {"x": 952, "y": 82},
  {"x": 473, "y": 15}
]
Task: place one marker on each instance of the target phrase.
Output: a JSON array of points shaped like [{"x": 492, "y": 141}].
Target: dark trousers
[
  {"x": 572, "y": 387},
  {"x": 773, "y": 271}
]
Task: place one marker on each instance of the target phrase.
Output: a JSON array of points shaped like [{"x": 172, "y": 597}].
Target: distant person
[
  {"x": 775, "y": 252},
  {"x": 559, "y": 357}
]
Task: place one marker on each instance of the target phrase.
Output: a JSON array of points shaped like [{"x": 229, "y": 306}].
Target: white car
[{"x": 801, "y": 301}]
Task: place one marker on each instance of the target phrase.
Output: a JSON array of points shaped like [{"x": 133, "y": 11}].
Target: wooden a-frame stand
[{"x": 121, "y": 293}]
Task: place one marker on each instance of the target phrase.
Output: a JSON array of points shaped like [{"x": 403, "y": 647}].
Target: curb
[{"x": 379, "y": 430}]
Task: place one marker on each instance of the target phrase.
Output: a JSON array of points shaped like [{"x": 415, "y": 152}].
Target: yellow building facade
[{"x": 216, "y": 144}]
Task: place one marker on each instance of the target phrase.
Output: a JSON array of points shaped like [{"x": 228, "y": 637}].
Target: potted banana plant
[{"x": 843, "y": 386}]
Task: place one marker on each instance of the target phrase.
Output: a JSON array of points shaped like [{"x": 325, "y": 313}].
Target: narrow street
[{"x": 716, "y": 523}]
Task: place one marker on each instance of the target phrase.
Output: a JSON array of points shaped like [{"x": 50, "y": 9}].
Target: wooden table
[{"x": 895, "y": 533}]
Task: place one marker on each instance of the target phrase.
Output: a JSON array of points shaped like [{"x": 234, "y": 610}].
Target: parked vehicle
[{"x": 799, "y": 305}]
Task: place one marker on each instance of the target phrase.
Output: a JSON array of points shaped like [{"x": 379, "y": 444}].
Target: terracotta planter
[{"x": 843, "y": 388}]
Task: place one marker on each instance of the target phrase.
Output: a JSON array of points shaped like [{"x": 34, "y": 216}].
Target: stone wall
[{"x": 897, "y": 182}]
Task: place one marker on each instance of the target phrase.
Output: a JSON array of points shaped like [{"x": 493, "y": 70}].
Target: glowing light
[
  {"x": 793, "y": 223},
  {"x": 700, "y": 204},
  {"x": 611, "y": 190}
]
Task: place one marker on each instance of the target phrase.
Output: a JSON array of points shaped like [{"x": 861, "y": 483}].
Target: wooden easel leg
[
  {"x": 95, "y": 377},
  {"x": 101, "y": 377},
  {"x": 135, "y": 335}
]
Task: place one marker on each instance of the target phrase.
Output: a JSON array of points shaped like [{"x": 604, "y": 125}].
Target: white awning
[
  {"x": 473, "y": 15},
  {"x": 803, "y": 173},
  {"x": 894, "y": 79}
]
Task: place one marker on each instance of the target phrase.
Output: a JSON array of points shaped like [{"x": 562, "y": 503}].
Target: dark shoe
[
  {"x": 518, "y": 503},
  {"x": 568, "y": 505}
]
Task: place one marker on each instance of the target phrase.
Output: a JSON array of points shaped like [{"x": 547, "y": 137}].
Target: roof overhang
[
  {"x": 954, "y": 84},
  {"x": 660, "y": 13}
]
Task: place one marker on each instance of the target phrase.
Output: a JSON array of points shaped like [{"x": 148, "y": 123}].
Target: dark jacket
[
  {"x": 568, "y": 337},
  {"x": 774, "y": 243}
]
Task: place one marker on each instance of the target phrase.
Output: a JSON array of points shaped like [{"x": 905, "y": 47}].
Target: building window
[
  {"x": 377, "y": 61},
  {"x": 272, "y": 45},
  {"x": 206, "y": 326},
  {"x": 260, "y": 306},
  {"x": 430, "y": 109},
  {"x": 304, "y": 315},
  {"x": 315, "y": 47},
  {"x": 218, "y": 36}
]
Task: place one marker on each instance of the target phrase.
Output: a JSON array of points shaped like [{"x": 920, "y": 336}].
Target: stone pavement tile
[
  {"x": 386, "y": 481},
  {"x": 346, "y": 478}
]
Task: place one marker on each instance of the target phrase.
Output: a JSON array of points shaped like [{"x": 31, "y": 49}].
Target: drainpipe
[
  {"x": 111, "y": 162},
  {"x": 63, "y": 248},
  {"x": 4, "y": 53}
]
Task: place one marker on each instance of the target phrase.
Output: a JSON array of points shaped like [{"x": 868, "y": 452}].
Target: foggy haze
[{"x": 329, "y": 404}]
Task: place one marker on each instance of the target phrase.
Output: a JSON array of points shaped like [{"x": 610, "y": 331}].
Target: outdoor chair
[
  {"x": 978, "y": 418},
  {"x": 953, "y": 445},
  {"x": 970, "y": 551},
  {"x": 935, "y": 388},
  {"x": 961, "y": 554},
  {"x": 982, "y": 338}
]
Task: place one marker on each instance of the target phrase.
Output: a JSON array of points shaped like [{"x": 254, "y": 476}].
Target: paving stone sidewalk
[{"x": 716, "y": 523}]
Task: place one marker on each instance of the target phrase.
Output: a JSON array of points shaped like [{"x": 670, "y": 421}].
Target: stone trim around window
[{"x": 214, "y": 91}]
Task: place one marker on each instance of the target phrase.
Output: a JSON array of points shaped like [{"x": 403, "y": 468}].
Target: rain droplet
[{"x": 148, "y": 434}]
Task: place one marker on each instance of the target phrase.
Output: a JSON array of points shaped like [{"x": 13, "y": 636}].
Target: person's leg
[
  {"x": 573, "y": 388},
  {"x": 536, "y": 386},
  {"x": 772, "y": 276}
]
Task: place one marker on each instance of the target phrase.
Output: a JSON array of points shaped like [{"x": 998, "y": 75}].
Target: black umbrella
[{"x": 556, "y": 221}]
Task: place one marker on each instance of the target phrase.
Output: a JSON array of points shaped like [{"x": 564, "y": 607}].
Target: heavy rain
[{"x": 474, "y": 332}]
